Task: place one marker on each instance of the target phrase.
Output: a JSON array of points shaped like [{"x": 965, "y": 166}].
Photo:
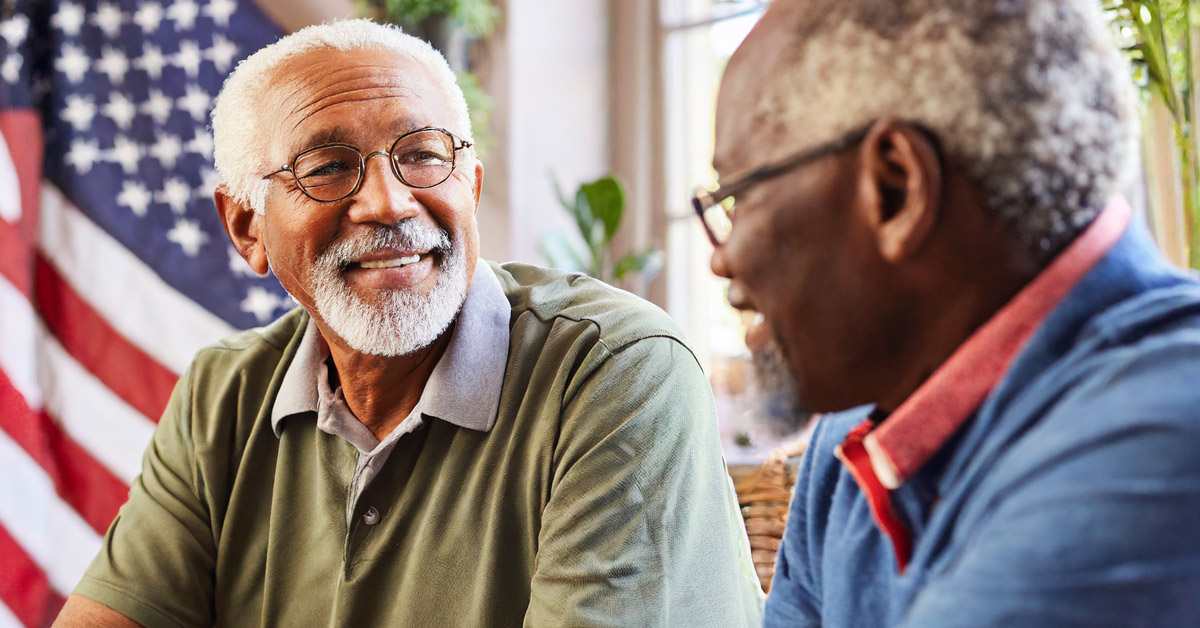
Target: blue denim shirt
[{"x": 1070, "y": 498}]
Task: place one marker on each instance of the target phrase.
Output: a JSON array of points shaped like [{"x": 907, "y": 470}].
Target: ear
[
  {"x": 901, "y": 186},
  {"x": 242, "y": 226},
  {"x": 478, "y": 183}
]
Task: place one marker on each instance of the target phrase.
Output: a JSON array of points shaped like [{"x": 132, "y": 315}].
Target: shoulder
[{"x": 586, "y": 310}]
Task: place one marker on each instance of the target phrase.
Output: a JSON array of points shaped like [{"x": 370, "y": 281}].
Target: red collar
[{"x": 916, "y": 430}]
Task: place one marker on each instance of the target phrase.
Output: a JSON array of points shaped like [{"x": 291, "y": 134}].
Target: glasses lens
[
  {"x": 718, "y": 217},
  {"x": 328, "y": 173},
  {"x": 424, "y": 159}
]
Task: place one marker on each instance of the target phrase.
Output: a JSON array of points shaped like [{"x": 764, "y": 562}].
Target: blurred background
[{"x": 595, "y": 123}]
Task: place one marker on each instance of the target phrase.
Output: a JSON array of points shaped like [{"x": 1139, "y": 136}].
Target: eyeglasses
[
  {"x": 715, "y": 207},
  {"x": 331, "y": 172}
]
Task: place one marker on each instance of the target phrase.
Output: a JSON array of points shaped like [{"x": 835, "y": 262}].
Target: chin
[{"x": 781, "y": 406}]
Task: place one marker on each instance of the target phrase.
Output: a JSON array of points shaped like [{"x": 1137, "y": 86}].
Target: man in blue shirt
[{"x": 928, "y": 220}]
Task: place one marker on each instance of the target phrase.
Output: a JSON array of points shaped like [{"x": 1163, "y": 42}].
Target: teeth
[{"x": 392, "y": 263}]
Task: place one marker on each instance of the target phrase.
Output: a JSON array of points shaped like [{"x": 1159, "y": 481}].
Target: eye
[
  {"x": 421, "y": 158},
  {"x": 330, "y": 168}
]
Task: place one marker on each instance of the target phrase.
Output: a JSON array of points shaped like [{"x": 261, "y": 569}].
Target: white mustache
[{"x": 408, "y": 234}]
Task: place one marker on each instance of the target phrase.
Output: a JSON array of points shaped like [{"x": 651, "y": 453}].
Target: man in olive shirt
[{"x": 429, "y": 440}]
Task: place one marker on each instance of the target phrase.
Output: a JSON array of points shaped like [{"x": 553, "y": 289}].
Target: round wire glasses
[{"x": 331, "y": 172}]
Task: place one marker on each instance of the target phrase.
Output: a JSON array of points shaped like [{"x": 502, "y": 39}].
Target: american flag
[{"x": 113, "y": 265}]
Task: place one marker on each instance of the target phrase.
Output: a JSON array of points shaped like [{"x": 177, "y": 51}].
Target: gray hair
[
  {"x": 1030, "y": 97},
  {"x": 237, "y": 125}
]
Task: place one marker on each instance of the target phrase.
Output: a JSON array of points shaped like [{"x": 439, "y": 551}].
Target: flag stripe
[
  {"x": 50, "y": 531},
  {"x": 24, "y": 588},
  {"x": 90, "y": 488},
  {"x": 9, "y": 620},
  {"x": 111, "y": 431},
  {"x": 125, "y": 369},
  {"x": 121, "y": 289}
]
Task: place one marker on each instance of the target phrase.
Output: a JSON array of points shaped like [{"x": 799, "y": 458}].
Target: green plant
[
  {"x": 1158, "y": 38},
  {"x": 597, "y": 209}
]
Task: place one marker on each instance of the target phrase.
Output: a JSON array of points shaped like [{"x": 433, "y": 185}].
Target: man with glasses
[
  {"x": 920, "y": 198},
  {"x": 429, "y": 440}
]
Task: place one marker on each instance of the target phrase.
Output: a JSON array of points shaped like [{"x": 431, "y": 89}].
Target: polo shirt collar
[
  {"x": 464, "y": 387},
  {"x": 899, "y": 446}
]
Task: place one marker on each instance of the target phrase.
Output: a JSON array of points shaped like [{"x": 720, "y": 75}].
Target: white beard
[{"x": 402, "y": 322}]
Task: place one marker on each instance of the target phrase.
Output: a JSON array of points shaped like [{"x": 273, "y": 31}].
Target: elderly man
[
  {"x": 927, "y": 220},
  {"x": 429, "y": 440}
]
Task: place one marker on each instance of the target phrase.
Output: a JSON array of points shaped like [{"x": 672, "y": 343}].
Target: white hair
[
  {"x": 237, "y": 123},
  {"x": 1031, "y": 97}
]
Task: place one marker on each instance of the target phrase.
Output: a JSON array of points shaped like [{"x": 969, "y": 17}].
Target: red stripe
[
  {"x": 122, "y": 367},
  {"x": 16, "y": 257},
  {"x": 24, "y": 588},
  {"x": 22, "y": 132},
  {"x": 88, "y": 486},
  {"x": 853, "y": 454}
]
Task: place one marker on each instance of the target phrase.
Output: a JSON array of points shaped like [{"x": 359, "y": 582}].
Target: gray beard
[
  {"x": 781, "y": 408},
  {"x": 400, "y": 322}
]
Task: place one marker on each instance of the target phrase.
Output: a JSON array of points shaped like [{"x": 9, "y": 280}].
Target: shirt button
[{"x": 371, "y": 517}]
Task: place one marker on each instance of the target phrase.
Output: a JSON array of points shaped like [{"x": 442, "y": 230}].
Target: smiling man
[
  {"x": 927, "y": 219},
  {"x": 430, "y": 439}
]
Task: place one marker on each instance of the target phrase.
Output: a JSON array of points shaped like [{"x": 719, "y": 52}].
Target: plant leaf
[
  {"x": 561, "y": 252},
  {"x": 647, "y": 264},
  {"x": 606, "y": 198}
]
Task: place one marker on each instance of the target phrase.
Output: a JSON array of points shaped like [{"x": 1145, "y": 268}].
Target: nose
[
  {"x": 383, "y": 197},
  {"x": 719, "y": 264}
]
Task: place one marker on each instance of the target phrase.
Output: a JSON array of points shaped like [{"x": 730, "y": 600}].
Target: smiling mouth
[{"x": 394, "y": 262}]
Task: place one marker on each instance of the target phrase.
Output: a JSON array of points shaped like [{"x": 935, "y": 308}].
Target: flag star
[
  {"x": 220, "y": 11},
  {"x": 184, "y": 13},
  {"x": 10, "y": 70},
  {"x": 189, "y": 237},
  {"x": 261, "y": 302},
  {"x": 68, "y": 18},
  {"x": 125, "y": 152},
  {"x": 79, "y": 112},
  {"x": 114, "y": 63},
  {"x": 152, "y": 61},
  {"x": 238, "y": 265},
  {"x": 120, "y": 109},
  {"x": 175, "y": 194},
  {"x": 157, "y": 106},
  {"x": 83, "y": 155},
  {"x": 136, "y": 197},
  {"x": 148, "y": 16},
  {"x": 202, "y": 143},
  {"x": 14, "y": 30},
  {"x": 188, "y": 58},
  {"x": 167, "y": 149},
  {"x": 108, "y": 18},
  {"x": 222, "y": 53},
  {"x": 196, "y": 102},
  {"x": 73, "y": 62}
]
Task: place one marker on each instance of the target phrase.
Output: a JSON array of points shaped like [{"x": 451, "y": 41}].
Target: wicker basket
[{"x": 764, "y": 494}]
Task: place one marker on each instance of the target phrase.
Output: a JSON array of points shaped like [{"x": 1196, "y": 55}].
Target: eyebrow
[{"x": 343, "y": 135}]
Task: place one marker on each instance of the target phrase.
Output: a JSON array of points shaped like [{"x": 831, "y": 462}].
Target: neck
[
  {"x": 972, "y": 269},
  {"x": 382, "y": 391}
]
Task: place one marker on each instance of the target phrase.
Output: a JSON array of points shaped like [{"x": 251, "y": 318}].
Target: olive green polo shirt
[{"x": 595, "y": 496}]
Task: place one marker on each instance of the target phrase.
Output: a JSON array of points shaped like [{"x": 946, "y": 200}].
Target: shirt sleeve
[
  {"x": 156, "y": 562},
  {"x": 642, "y": 527},
  {"x": 1094, "y": 522}
]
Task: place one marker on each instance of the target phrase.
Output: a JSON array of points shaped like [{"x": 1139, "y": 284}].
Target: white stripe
[
  {"x": 112, "y": 431},
  {"x": 53, "y": 535},
  {"x": 155, "y": 317},
  {"x": 10, "y": 188},
  {"x": 18, "y": 343},
  {"x": 7, "y": 619}
]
